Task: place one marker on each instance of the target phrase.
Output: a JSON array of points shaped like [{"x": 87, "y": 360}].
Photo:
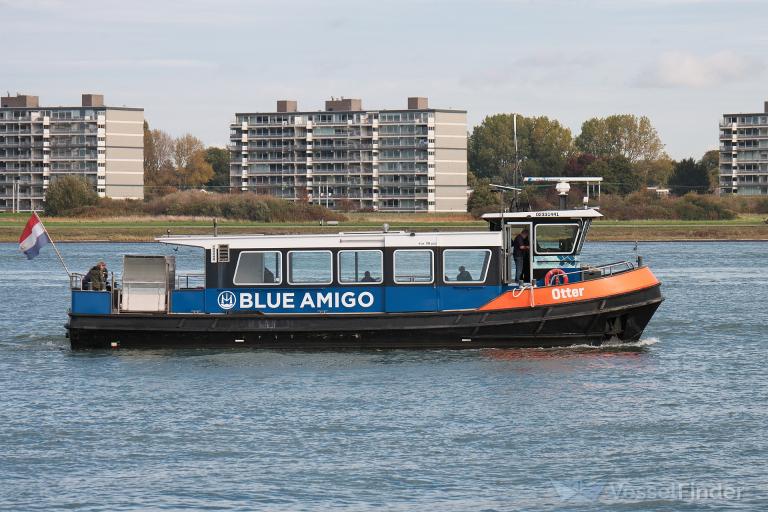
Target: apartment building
[
  {"x": 404, "y": 160},
  {"x": 744, "y": 153},
  {"x": 40, "y": 144}
]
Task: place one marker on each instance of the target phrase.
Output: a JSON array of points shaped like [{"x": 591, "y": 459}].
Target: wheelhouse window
[
  {"x": 361, "y": 267},
  {"x": 556, "y": 238},
  {"x": 258, "y": 267},
  {"x": 466, "y": 265},
  {"x": 414, "y": 266},
  {"x": 310, "y": 267}
]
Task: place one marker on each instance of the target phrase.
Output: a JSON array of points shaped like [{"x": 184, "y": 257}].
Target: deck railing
[{"x": 190, "y": 281}]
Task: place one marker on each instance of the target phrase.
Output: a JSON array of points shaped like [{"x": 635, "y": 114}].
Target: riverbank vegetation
[
  {"x": 72, "y": 197},
  {"x": 625, "y": 150}
]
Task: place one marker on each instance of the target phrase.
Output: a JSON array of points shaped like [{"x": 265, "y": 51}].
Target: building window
[
  {"x": 310, "y": 267},
  {"x": 258, "y": 267},
  {"x": 556, "y": 238},
  {"x": 466, "y": 265},
  {"x": 360, "y": 267},
  {"x": 414, "y": 266}
]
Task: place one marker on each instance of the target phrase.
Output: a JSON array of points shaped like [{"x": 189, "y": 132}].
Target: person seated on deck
[
  {"x": 367, "y": 277},
  {"x": 463, "y": 274},
  {"x": 96, "y": 278},
  {"x": 269, "y": 277}
]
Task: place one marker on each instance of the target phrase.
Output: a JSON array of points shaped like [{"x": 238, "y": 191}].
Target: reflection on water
[{"x": 395, "y": 430}]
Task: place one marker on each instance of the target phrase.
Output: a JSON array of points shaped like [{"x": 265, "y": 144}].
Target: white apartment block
[
  {"x": 408, "y": 160},
  {"x": 744, "y": 153},
  {"x": 39, "y": 144}
]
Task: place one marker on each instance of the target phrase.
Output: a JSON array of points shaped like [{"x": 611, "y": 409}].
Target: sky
[{"x": 192, "y": 64}]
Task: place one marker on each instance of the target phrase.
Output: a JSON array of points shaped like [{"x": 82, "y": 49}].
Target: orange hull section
[{"x": 619, "y": 284}]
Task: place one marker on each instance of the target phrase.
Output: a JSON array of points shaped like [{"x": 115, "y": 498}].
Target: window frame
[
  {"x": 477, "y": 281},
  {"x": 277, "y": 282},
  {"x": 288, "y": 267},
  {"x": 575, "y": 238},
  {"x": 394, "y": 266},
  {"x": 338, "y": 267}
]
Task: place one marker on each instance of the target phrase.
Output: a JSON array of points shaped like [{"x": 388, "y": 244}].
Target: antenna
[{"x": 516, "y": 170}]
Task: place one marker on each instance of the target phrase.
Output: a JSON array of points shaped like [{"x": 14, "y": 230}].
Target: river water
[{"x": 677, "y": 422}]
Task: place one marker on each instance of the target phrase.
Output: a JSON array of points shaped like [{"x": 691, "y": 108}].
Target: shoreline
[
  {"x": 611, "y": 241},
  {"x": 138, "y": 229}
]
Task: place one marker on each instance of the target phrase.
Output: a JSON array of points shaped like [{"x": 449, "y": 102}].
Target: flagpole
[{"x": 50, "y": 238}]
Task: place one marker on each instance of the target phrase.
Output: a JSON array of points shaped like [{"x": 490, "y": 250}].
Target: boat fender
[{"x": 555, "y": 276}]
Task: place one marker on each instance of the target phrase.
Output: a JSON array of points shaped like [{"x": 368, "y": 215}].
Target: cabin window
[
  {"x": 466, "y": 265},
  {"x": 258, "y": 267},
  {"x": 414, "y": 266},
  {"x": 310, "y": 267},
  {"x": 556, "y": 238},
  {"x": 360, "y": 267}
]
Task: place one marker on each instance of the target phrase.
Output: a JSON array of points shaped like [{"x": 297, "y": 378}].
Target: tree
[
  {"x": 189, "y": 158},
  {"x": 577, "y": 165},
  {"x": 625, "y": 135},
  {"x": 68, "y": 192},
  {"x": 198, "y": 171},
  {"x": 543, "y": 146},
  {"x": 689, "y": 176},
  {"x": 158, "y": 161},
  {"x": 654, "y": 173},
  {"x": 219, "y": 160},
  {"x": 617, "y": 173},
  {"x": 711, "y": 162},
  {"x": 482, "y": 197}
]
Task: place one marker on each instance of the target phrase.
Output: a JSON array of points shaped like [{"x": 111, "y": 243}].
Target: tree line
[
  {"x": 625, "y": 150},
  {"x": 178, "y": 163}
]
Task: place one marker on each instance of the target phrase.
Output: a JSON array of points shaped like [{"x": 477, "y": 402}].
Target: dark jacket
[
  {"x": 96, "y": 278},
  {"x": 517, "y": 246}
]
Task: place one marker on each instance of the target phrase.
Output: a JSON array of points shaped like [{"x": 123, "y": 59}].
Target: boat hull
[{"x": 620, "y": 317}]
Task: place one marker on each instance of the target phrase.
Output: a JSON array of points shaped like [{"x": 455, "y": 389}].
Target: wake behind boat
[{"x": 364, "y": 290}]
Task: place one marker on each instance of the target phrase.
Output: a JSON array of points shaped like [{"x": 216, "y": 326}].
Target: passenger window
[
  {"x": 258, "y": 267},
  {"x": 310, "y": 267},
  {"x": 360, "y": 267},
  {"x": 466, "y": 265},
  {"x": 556, "y": 238},
  {"x": 413, "y": 266}
]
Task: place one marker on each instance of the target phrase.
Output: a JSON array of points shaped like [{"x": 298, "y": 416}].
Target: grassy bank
[{"x": 146, "y": 228}]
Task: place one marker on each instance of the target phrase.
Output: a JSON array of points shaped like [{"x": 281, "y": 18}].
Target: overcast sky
[{"x": 192, "y": 64}]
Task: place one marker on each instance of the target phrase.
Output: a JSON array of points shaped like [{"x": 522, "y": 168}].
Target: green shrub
[{"x": 67, "y": 193}]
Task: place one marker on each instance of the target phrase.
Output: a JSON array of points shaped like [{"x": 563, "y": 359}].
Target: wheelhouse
[{"x": 556, "y": 239}]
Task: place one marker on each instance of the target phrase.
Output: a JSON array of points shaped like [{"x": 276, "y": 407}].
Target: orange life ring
[{"x": 554, "y": 275}]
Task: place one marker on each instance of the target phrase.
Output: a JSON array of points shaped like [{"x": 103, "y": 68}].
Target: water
[{"x": 566, "y": 429}]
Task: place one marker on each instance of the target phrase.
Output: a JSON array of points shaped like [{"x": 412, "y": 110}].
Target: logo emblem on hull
[{"x": 226, "y": 300}]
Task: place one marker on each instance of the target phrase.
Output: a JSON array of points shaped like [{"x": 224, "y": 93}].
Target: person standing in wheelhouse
[{"x": 520, "y": 252}]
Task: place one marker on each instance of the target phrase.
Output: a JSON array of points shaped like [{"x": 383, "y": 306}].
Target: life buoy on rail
[{"x": 555, "y": 276}]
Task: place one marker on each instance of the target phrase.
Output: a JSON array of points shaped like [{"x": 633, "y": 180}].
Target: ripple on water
[{"x": 394, "y": 430}]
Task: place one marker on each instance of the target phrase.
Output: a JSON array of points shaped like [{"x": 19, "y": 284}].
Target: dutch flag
[{"x": 33, "y": 237}]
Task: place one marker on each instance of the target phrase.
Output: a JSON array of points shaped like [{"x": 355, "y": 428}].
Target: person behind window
[
  {"x": 269, "y": 277},
  {"x": 463, "y": 274},
  {"x": 367, "y": 278},
  {"x": 521, "y": 251}
]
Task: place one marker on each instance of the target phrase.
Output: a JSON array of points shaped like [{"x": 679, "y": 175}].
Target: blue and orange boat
[{"x": 375, "y": 290}]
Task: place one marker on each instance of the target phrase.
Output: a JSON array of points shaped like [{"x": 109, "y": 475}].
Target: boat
[{"x": 374, "y": 290}]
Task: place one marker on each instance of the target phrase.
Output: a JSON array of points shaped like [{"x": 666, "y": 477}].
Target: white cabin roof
[
  {"x": 589, "y": 213},
  {"x": 341, "y": 240}
]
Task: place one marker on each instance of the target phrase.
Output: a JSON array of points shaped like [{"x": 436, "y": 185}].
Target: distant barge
[{"x": 374, "y": 290}]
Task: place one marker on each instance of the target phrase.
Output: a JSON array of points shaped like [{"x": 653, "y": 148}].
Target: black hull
[{"x": 620, "y": 317}]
